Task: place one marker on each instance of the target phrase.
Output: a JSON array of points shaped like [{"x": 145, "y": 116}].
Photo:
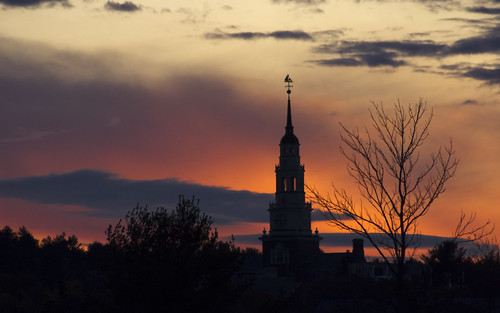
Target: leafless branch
[
  {"x": 467, "y": 230},
  {"x": 396, "y": 184}
]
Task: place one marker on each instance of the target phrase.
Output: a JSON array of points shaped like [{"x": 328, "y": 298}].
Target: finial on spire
[
  {"x": 289, "y": 127},
  {"x": 288, "y": 85}
]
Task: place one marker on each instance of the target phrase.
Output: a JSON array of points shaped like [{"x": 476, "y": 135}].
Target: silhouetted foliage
[
  {"x": 162, "y": 233},
  {"x": 170, "y": 260},
  {"x": 483, "y": 280},
  {"x": 447, "y": 262},
  {"x": 174, "y": 257},
  {"x": 251, "y": 251},
  {"x": 46, "y": 277},
  {"x": 460, "y": 283},
  {"x": 56, "y": 274}
]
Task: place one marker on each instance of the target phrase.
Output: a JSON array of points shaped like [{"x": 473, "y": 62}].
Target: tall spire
[
  {"x": 289, "y": 126},
  {"x": 289, "y": 137}
]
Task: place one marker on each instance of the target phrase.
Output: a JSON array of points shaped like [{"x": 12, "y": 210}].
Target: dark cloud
[
  {"x": 433, "y": 5},
  {"x": 327, "y": 35},
  {"x": 126, "y": 6},
  {"x": 489, "y": 73},
  {"x": 343, "y": 240},
  {"x": 340, "y": 62},
  {"x": 67, "y": 111},
  {"x": 34, "y": 3},
  {"x": 239, "y": 35},
  {"x": 477, "y": 23},
  {"x": 110, "y": 196},
  {"x": 280, "y": 35},
  {"x": 406, "y": 48},
  {"x": 285, "y": 34},
  {"x": 490, "y": 76},
  {"x": 54, "y": 122},
  {"x": 452, "y": 67},
  {"x": 381, "y": 58},
  {"x": 469, "y": 102},
  {"x": 41, "y": 98},
  {"x": 419, "y": 34},
  {"x": 486, "y": 43},
  {"x": 308, "y": 2},
  {"x": 484, "y": 10},
  {"x": 393, "y": 53}
]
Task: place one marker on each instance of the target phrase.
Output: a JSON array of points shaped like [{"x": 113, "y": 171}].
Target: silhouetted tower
[{"x": 290, "y": 242}]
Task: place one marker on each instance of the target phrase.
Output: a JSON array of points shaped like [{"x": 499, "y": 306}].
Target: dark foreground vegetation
[
  {"x": 173, "y": 261},
  {"x": 162, "y": 260}
]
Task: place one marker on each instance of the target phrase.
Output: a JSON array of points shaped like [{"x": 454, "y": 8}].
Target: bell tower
[{"x": 290, "y": 242}]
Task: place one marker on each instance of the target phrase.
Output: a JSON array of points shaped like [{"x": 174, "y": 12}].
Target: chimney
[{"x": 358, "y": 250}]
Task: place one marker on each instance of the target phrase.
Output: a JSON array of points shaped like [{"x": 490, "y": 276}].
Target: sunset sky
[{"x": 107, "y": 104}]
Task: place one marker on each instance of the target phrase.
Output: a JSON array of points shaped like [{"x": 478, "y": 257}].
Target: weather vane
[{"x": 288, "y": 85}]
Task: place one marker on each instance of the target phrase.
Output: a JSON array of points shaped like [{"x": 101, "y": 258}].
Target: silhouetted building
[
  {"x": 290, "y": 250},
  {"x": 290, "y": 243}
]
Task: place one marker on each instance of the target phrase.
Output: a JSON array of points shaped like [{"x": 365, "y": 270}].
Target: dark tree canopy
[
  {"x": 162, "y": 232},
  {"x": 446, "y": 261},
  {"x": 172, "y": 256},
  {"x": 56, "y": 275},
  {"x": 154, "y": 261}
]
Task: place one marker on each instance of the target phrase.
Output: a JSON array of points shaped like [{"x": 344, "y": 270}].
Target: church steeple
[{"x": 290, "y": 240}]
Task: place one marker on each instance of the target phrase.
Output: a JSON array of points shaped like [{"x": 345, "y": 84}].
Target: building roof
[{"x": 289, "y": 137}]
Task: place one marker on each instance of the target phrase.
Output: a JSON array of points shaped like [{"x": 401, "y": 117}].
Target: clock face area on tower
[{"x": 280, "y": 220}]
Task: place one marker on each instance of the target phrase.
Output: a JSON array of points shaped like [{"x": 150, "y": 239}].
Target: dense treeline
[
  {"x": 173, "y": 261},
  {"x": 153, "y": 259},
  {"x": 445, "y": 280},
  {"x": 46, "y": 276}
]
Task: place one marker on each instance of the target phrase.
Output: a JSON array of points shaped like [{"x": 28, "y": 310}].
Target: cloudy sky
[{"x": 107, "y": 104}]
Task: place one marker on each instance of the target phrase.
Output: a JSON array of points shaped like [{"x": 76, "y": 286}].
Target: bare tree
[
  {"x": 469, "y": 231},
  {"x": 396, "y": 184}
]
